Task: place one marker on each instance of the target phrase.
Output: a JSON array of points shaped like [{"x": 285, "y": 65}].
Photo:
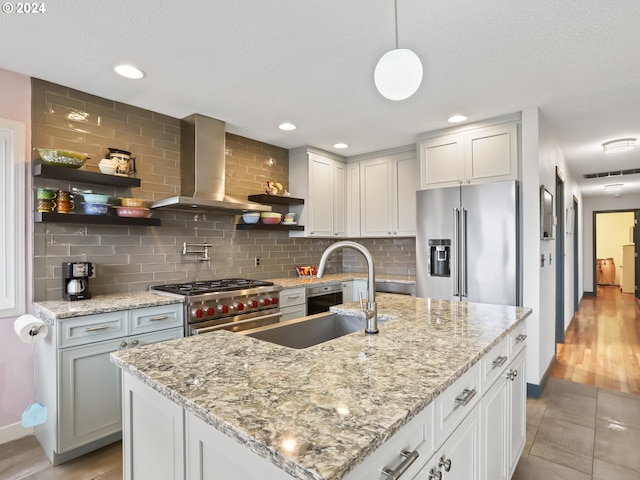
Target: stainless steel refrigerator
[{"x": 467, "y": 245}]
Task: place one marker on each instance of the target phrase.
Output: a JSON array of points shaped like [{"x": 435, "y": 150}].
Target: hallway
[{"x": 602, "y": 344}]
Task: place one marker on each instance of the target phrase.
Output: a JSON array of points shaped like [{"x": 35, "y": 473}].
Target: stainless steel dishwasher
[{"x": 320, "y": 298}]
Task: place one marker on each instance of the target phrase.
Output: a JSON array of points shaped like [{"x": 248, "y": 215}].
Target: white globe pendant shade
[{"x": 398, "y": 74}]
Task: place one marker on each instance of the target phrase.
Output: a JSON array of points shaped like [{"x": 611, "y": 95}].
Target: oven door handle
[{"x": 222, "y": 326}]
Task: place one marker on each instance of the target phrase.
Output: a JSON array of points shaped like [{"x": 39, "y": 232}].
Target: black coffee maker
[{"x": 75, "y": 280}]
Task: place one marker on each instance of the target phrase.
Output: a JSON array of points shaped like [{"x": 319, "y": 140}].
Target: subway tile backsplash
[{"x": 132, "y": 258}]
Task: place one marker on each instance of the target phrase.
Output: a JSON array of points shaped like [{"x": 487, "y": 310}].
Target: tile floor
[
  {"x": 574, "y": 432},
  {"x": 581, "y": 432}
]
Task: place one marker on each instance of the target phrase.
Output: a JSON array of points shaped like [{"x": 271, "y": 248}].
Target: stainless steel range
[{"x": 229, "y": 304}]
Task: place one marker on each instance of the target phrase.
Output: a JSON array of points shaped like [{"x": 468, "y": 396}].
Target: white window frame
[{"x": 12, "y": 218}]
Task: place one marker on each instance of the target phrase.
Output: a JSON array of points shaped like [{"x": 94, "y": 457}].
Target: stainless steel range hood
[{"x": 202, "y": 171}]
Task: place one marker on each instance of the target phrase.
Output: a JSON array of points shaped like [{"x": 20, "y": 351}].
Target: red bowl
[{"x": 270, "y": 220}]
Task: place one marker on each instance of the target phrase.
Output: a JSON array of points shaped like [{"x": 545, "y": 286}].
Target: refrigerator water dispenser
[{"x": 439, "y": 257}]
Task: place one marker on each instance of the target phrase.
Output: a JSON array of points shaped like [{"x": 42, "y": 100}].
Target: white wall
[
  {"x": 540, "y": 156},
  {"x": 16, "y": 358},
  {"x": 599, "y": 204},
  {"x": 612, "y": 232}
]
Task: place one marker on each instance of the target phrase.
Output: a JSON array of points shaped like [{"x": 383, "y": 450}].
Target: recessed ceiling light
[
  {"x": 457, "y": 118},
  {"x": 620, "y": 145},
  {"x": 341, "y": 145},
  {"x": 129, "y": 71},
  {"x": 287, "y": 126},
  {"x": 614, "y": 188}
]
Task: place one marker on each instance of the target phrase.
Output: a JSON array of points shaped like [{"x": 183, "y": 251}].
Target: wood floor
[{"x": 602, "y": 344}]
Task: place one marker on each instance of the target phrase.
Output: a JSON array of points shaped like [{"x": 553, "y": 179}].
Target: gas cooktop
[{"x": 211, "y": 286}]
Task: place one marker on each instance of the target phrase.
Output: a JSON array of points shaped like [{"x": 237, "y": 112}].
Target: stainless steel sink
[{"x": 308, "y": 331}]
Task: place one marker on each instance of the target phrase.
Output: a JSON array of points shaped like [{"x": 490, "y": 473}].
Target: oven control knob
[
  {"x": 274, "y": 301},
  {"x": 211, "y": 311},
  {"x": 266, "y": 302},
  {"x": 199, "y": 313},
  {"x": 239, "y": 306},
  {"x": 252, "y": 304},
  {"x": 224, "y": 308}
]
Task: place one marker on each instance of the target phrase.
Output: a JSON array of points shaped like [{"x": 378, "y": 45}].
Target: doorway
[
  {"x": 614, "y": 251},
  {"x": 559, "y": 254}
]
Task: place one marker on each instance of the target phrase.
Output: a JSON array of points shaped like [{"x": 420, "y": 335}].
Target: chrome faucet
[{"x": 370, "y": 314}]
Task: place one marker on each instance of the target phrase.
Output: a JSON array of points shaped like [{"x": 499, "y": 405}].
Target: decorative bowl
[
  {"x": 106, "y": 169},
  {"x": 250, "y": 217},
  {"x": 96, "y": 208},
  {"x": 93, "y": 198},
  {"x": 270, "y": 220},
  {"x": 62, "y": 158},
  {"x": 134, "y": 212},
  {"x": 132, "y": 202}
]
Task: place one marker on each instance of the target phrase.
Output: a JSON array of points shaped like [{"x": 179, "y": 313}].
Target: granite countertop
[
  {"x": 340, "y": 277},
  {"x": 318, "y": 412},
  {"x": 60, "y": 309}
]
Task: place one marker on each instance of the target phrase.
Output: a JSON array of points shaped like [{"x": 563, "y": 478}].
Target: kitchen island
[{"x": 316, "y": 413}]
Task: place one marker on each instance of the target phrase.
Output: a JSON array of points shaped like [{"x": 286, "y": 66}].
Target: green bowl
[{"x": 62, "y": 158}]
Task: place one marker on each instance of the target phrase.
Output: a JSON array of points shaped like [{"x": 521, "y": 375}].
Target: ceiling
[{"x": 255, "y": 64}]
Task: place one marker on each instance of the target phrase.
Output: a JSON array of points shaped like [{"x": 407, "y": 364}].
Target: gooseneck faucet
[{"x": 370, "y": 314}]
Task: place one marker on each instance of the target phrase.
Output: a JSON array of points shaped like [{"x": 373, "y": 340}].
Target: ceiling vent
[{"x": 615, "y": 173}]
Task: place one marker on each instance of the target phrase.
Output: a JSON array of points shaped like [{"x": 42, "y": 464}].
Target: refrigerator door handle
[
  {"x": 455, "y": 254},
  {"x": 463, "y": 253}
]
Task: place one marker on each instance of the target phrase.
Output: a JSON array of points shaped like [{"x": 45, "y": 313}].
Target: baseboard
[
  {"x": 534, "y": 390},
  {"x": 9, "y": 433},
  {"x": 588, "y": 294}
]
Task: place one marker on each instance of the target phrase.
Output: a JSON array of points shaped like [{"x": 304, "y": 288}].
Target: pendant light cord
[{"x": 395, "y": 3}]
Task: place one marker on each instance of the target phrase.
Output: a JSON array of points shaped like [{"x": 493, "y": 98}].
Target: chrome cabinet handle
[
  {"x": 409, "y": 458},
  {"x": 512, "y": 374},
  {"x": 521, "y": 338},
  {"x": 499, "y": 361},
  {"x": 292, "y": 297},
  {"x": 123, "y": 344},
  {"x": 465, "y": 397},
  {"x": 96, "y": 328},
  {"x": 155, "y": 319},
  {"x": 135, "y": 342},
  {"x": 444, "y": 463},
  {"x": 433, "y": 475}
]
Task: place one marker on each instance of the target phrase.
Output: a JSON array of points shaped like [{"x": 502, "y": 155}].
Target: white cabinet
[
  {"x": 293, "y": 303},
  {"x": 353, "y": 200},
  {"x": 155, "y": 433},
  {"x": 470, "y": 155},
  {"x": 77, "y": 381},
  {"x": 388, "y": 195},
  {"x": 320, "y": 179},
  {"x": 503, "y": 411},
  {"x": 352, "y": 289}
]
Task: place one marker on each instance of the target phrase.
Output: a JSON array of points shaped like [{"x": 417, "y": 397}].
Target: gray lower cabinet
[
  {"x": 79, "y": 385},
  {"x": 293, "y": 303}
]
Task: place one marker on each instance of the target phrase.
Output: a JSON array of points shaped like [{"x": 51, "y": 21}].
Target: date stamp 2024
[{"x": 23, "y": 7}]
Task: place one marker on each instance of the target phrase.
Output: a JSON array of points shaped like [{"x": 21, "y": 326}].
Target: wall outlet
[{"x": 256, "y": 262}]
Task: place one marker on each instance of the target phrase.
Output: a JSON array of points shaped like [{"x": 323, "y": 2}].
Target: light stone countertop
[
  {"x": 334, "y": 407},
  {"x": 340, "y": 277},
  {"x": 61, "y": 309}
]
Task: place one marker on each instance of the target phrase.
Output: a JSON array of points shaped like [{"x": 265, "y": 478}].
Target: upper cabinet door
[
  {"x": 339, "y": 172},
  {"x": 492, "y": 154},
  {"x": 442, "y": 161},
  {"x": 405, "y": 183},
  {"x": 320, "y": 196},
  {"x": 376, "y": 193}
]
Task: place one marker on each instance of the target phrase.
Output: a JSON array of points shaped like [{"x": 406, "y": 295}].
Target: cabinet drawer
[
  {"x": 145, "y": 320},
  {"x": 416, "y": 436},
  {"x": 292, "y": 312},
  {"x": 517, "y": 340},
  {"x": 92, "y": 328},
  {"x": 155, "y": 337},
  {"x": 456, "y": 402},
  {"x": 493, "y": 364},
  {"x": 292, "y": 296}
]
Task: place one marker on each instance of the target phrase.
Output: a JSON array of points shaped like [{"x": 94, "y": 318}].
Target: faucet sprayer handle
[{"x": 361, "y": 301}]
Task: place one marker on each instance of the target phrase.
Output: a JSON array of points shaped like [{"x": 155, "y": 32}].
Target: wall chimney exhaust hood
[{"x": 202, "y": 171}]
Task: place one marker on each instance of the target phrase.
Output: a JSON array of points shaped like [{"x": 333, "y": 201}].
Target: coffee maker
[{"x": 75, "y": 280}]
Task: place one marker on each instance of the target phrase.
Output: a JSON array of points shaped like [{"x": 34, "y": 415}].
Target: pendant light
[{"x": 398, "y": 73}]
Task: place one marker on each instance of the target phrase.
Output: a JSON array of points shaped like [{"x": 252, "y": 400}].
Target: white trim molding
[
  {"x": 12, "y": 218},
  {"x": 12, "y": 432}
]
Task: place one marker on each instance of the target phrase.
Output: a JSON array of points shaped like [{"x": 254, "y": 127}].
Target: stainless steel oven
[
  {"x": 320, "y": 298},
  {"x": 228, "y": 304}
]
